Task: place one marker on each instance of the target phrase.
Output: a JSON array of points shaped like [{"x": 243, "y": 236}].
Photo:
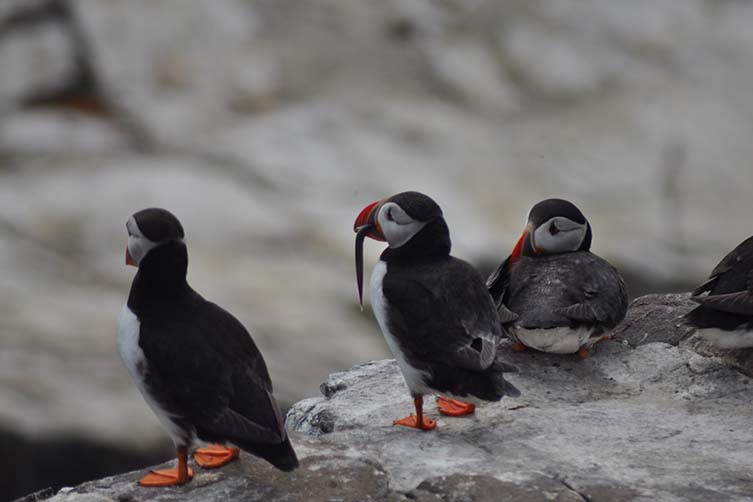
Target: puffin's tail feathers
[
  {"x": 281, "y": 455},
  {"x": 489, "y": 385}
]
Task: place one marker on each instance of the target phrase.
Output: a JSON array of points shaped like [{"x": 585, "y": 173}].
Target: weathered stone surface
[
  {"x": 643, "y": 421},
  {"x": 659, "y": 318},
  {"x": 326, "y": 473}
]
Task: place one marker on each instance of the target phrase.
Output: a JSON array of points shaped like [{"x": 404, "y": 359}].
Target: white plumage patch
[
  {"x": 562, "y": 340},
  {"x": 129, "y": 329},
  {"x": 415, "y": 379},
  {"x": 737, "y": 339}
]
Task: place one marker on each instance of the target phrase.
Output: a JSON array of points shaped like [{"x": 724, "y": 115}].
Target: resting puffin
[
  {"x": 552, "y": 293},
  {"x": 195, "y": 364},
  {"x": 435, "y": 314},
  {"x": 725, "y": 314}
]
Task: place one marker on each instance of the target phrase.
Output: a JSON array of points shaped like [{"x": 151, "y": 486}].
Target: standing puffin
[
  {"x": 436, "y": 316},
  {"x": 552, "y": 293},
  {"x": 725, "y": 314},
  {"x": 195, "y": 364}
]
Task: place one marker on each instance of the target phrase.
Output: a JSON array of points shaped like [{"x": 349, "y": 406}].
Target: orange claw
[
  {"x": 454, "y": 408},
  {"x": 518, "y": 347},
  {"x": 417, "y": 421},
  {"x": 215, "y": 455},
  {"x": 170, "y": 477}
]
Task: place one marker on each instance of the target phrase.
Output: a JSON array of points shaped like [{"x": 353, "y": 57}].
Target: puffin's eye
[
  {"x": 553, "y": 230},
  {"x": 389, "y": 215}
]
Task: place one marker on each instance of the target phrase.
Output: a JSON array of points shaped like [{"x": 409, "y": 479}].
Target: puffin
[
  {"x": 725, "y": 314},
  {"x": 436, "y": 316},
  {"x": 552, "y": 293},
  {"x": 194, "y": 363}
]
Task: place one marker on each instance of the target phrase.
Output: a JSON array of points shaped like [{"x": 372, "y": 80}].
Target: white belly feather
[
  {"x": 737, "y": 339},
  {"x": 415, "y": 378},
  {"x": 129, "y": 329},
  {"x": 563, "y": 340}
]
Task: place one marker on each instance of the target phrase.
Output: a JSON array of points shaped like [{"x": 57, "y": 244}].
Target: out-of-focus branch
[{"x": 82, "y": 90}]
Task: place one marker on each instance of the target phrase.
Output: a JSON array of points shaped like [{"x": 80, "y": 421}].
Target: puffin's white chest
[
  {"x": 129, "y": 329},
  {"x": 128, "y": 345},
  {"x": 414, "y": 378}
]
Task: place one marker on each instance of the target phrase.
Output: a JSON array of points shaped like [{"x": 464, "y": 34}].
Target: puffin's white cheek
[
  {"x": 138, "y": 247},
  {"x": 398, "y": 235}
]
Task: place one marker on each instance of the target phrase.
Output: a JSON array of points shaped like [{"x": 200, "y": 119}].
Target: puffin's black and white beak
[
  {"x": 365, "y": 226},
  {"x": 528, "y": 233},
  {"x": 129, "y": 260}
]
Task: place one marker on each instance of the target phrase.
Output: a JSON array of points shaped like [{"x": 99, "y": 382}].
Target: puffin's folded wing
[
  {"x": 447, "y": 317},
  {"x": 233, "y": 425},
  {"x": 497, "y": 284},
  {"x": 734, "y": 303},
  {"x": 706, "y": 286},
  {"x": 603, "y": 298},
  {"x": 187, "y": 382}
]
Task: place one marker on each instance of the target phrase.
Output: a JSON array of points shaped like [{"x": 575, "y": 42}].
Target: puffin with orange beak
[
  {"x": 433, "y": 309},
  {"x": 195, "y": 364},
  {"x": 552, "y": 293}
]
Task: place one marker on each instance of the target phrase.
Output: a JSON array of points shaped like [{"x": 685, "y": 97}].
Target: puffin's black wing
[
  {"x": 731, "y": 275},
  {"x": 726, "y": 298},
  {"x": 442, "y": 313},
  {"x": 207, "y": 371},
  {"x": 734, "y": 302},
  {"x": 603, "y": 296},
  {"x": 497, "y": 284},
  {"x": 565, "y": 290}
]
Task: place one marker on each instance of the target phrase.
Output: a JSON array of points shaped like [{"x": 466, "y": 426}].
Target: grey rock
[
  {"x": 649, "y": 421},
  {"x": 325, "y": 474},
  {"x": 659, "y": 318},
  {"x": 656, "y": 318},
  {"x": 465, "y": 488},
  {"x": 646, "y": 420}
]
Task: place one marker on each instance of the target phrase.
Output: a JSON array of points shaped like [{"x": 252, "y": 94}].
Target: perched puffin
[
  {"x": 195, "y": 364},
  {"x": 725, "y": 314},
  {"x": 433, "y": 309},
  {"x": 552, "y": 293}
]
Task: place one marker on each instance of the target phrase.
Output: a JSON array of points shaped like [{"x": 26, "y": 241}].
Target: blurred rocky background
[{"x": 267, "y": 125}]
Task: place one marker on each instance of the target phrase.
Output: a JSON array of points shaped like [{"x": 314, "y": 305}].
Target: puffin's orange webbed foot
[
  {"x": 166, "y": 477},
  {"x": 426, "y": 424},
  {"x": 518, "y": 347},
  {"x": 215, "y": 455},
  {"x": 454, "y": 408},
  {"x": 584, "y": 352}
]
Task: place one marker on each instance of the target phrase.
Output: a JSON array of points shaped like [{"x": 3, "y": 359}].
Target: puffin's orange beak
[
  {"x": 129, "y": 260},
  {"x": 517, "y": 251},
  {"x": 365, "y": 226},
  {"x": 367, "y": 218}
]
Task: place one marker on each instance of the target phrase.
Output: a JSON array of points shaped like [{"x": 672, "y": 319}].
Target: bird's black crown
[{"x": 158, "y": 225}]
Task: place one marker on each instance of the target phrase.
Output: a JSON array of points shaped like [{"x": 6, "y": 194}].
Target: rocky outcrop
[{"x": 653, "y": 415}]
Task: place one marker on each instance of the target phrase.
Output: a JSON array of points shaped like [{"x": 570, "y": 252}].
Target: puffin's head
[
  {"x": 148, "y": 229},
  {"x": 396, "y": 220},
  {"x": 554, "y": 226}
]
